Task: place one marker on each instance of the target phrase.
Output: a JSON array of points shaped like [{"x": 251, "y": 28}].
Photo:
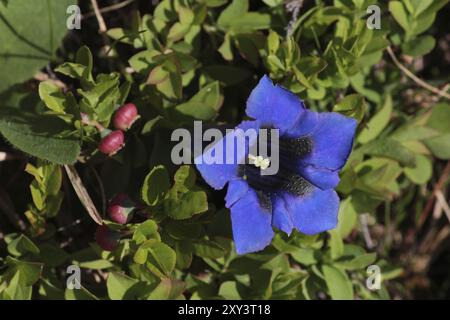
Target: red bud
[
  {"x": 120, "y": 208},
  {"x": 112, "y": 143},
  {"x": 125, "y": 116},
  {"x": 106, "y": 238}
]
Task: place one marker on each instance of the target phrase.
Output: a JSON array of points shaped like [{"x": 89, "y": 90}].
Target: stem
[
  {"x": 438, "y": 186},
  {"x": 416, "y": 79},
  {"x": 113, "y": 7}
]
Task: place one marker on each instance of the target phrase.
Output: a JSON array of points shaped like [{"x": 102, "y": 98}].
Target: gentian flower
[{"x": 313, "y": 147}]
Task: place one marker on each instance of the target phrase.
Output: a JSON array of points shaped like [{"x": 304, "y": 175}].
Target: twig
[
  {"x": 443, "y": 203},
  {"x": 416, "y": 79},
  {"x": 113, "y": 7},
  {"x": 438, "y": 186},
  {"x": 82, "y": 194},
  {"x": 41, "y": 76},
  {"x": 365, "y": 231},
  {"x": 103, "y": 31},
  {"x": 98, "y": 15},
  {"x": 294, "y": 7},
  {"x": 5, "y": 156},
  {"x": 101, "y": 187}
]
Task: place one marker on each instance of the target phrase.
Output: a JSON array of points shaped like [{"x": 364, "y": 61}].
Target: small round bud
[
  {"x": 112, "y": 142},
  {"x": 120, "y": 208},
  {"x": 125, "y": 116},
  {"x": 106, "y": 238}
]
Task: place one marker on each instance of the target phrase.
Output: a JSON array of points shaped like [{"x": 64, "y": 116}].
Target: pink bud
[
  {"x": 106, "y": 238},
  {"x": 112, "y": 143},
  {"x": 125, "y": 116},
  {"x": 120, "y": 208}
]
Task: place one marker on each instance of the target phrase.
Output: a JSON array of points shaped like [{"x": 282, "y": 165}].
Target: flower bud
[
  {"x": 112, "y": 142},
  {"x": 120, "y": 208},
  {"x": 106, "y": 238},
  {"x": 125, "y": 116}
]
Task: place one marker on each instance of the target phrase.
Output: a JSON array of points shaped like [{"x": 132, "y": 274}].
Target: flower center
[
  {"x": 259, "y": 161},
  {"x": 287, "y": 179}
]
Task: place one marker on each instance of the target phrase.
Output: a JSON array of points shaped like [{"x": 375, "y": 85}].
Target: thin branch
[
  {"x": 416, "y": 79},
  {"x": 110, "y": 8},
  {"x": 443, "y": 203},
  {"x": 41, "y": 76},
  {"x": 438, "y": 186},
  {"x": 98, "y": 15},
  {"x": 365, "y": 230},
  {"x": 101, "y": 187},
  {"x": 82, "y": 193},
  {"x": 5, "y": 156},
  {"x": 293, "y": 7}
]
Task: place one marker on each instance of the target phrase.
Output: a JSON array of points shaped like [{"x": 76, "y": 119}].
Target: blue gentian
[{"x": 313, "y": 147}]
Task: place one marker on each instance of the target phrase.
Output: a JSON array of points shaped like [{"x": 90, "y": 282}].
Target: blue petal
[
  {"x": 218, "y": 174},
  {"x": 304, "y": 125},
  {"x": 322, "y": 178},
  {"x": 236, "y": 190},
  {"x": 332, "y": 141},
  {"x": 273, "y": 105},
  {"x": 281, "y": 217},
  {"x": 315, "y": 212},
  {"x": 251, "y": 223}
]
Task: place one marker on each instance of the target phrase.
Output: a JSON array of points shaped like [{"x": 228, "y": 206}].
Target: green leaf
[
  {"x": 155, "y": 186},
  {"x": 397, "y": 9},
  {"x": 208, "y": 249},
  {"x": 30, "y": 36},
  {"x": 347, "y": 218},
  {"x": 185, "y": 205},
  {"x": 209, "y": 95},
  {"x": 101, "y": 100},
  {"x": 230, "y": 14},
  {"x": 439, "y": 119},
  {"x": 29, "y": 272},
  {"x": 161, "y": 258},
  {"x": 305, "y": 256},
  {"x": 422, "y": 172},
  {"x": 22, "y": 245},
  {"x": 45, "y": 137},
  {"x": 52, "y": 96},
  {"x": 72, "y": 70},
  {"x": 204, "y": 105},
  {"x": 226, "y": 49},
  {"x": 145, "y": 231},
  {"x": 439, "y": 146},
  {"x": 377, "y": 123},
  {"x": 229, "y": 290},
  {"x": 168, "y": 289},
  {"x": 336, "y": 244},
  {"x": 119, "y": 285},
  {"x": 157, "y": 75},
  {"x": 419, "y": 46},
  {"x": 178, "y": 31},
  {"x": 338, "y": 283},
  {"x": 419, "y": 6},
  {"x": 352, "y": 105},
  {"x": 356, "y": 263},
  {"x": 79, "y": 294}
]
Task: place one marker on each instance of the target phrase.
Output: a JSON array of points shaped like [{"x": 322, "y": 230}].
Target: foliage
[{"x": 186, "y": 60}]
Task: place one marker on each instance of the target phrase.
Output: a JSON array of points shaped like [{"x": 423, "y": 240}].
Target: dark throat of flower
[{"x": 287, "y": 179}]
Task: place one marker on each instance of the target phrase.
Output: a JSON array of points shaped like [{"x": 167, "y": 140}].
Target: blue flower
[{"x": 313, "y": 147}]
